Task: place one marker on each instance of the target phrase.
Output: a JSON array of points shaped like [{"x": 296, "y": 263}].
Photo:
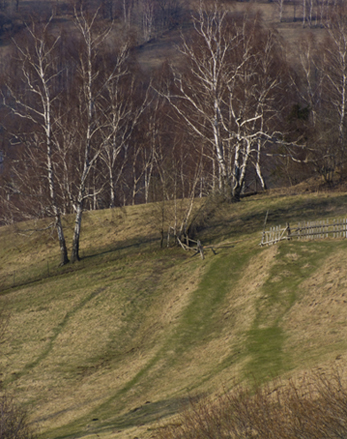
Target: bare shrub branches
[
  {"x": 14, "y": 422},
  {"x": 314, "y": 407}
]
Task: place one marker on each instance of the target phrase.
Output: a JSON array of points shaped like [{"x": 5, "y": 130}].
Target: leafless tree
[
  {"x": 148, "y": 18},
  {"x": 127, "y": 9},
  {"x": 124, "y": 101},
  {"x": 280, "y": 4},
  {"x": 35, "y": 101},
  {"x": 336, "y": 66},
  {"x": 149, "y": 145},
  {"x": 330, "y": 113},
  {"x": 90, "y": 145},
  {"x": 108, "y": 109},
  {"x": 222, "y": 95}
]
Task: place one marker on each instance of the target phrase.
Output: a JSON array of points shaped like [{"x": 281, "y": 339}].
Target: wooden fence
[{"x": 335, "y": 228}]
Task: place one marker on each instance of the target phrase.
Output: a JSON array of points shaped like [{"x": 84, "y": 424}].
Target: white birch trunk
[{"x": 35, "y": 68}]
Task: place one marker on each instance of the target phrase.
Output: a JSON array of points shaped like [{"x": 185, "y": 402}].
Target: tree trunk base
[
  {"x": 64, "y": 262},
  {"x": 75, "y": 258}
]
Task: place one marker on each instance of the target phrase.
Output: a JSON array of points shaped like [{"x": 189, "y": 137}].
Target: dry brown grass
[
  {"x": 117, "y": 339},
  {"x": 319, "y": 317}
]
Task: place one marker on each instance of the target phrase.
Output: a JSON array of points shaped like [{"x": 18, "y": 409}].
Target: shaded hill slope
[{"x": 114, "y": 344}]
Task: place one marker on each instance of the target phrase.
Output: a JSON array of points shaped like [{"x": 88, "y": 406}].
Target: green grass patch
[
  {"x": 295, "y": 263},
  {"x": 201, "y": 321}
]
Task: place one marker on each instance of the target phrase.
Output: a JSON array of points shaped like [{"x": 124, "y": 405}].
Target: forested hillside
[{"x": 91, "y": 119}]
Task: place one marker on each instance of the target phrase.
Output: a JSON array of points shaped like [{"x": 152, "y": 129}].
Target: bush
[
  {"x": 13, "y": 420},
  {"x": 314, "y": 407}
]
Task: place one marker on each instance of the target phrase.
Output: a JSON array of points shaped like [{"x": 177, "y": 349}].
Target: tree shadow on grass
[
  {"x": 145, "y": 415},
  {"x": 290, "y": 210},
  {"x": 115, "y": 251},
  {"x": 120, "y": 248},
  {"x": 150, "y": 412}
]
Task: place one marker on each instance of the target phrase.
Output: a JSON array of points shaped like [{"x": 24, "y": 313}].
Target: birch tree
[
  {"x": 148, "y": 18},
  {"x": 280, "y": 4},
  {"x": 35, "y": 101},
  {"x": 124, "y": 100},
  {"x": 179, "y": 166},
  {"x": 90, "y": 145},
  {"x": 107, "y": 108},
  {"x": 332, "y": 109},
  {"x": 151, "y": 133},
  {"x": 335, "y": 65},
  {"x": 221, "y": 93}
]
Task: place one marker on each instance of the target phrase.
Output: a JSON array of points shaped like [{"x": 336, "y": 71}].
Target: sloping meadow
[{"x": 118, "y": 344}]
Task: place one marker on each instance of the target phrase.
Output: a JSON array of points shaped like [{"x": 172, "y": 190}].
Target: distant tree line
[
  {"x": 84, "y": 126},
  {"x": 147, "y": 18}
]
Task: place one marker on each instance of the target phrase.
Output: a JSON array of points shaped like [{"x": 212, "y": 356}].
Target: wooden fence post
[
  {"x": 288, "y": 232},
  {"x": 263, "y": 236},
  {"x": 200, "y": 249}
]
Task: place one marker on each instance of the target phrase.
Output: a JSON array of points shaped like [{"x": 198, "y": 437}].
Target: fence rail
[{"x": 335, "y": 228}]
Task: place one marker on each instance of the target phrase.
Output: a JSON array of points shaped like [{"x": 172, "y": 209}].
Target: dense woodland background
[{"x": 89, "y": 120}]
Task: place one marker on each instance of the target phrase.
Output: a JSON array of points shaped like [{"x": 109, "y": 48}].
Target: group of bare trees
[
  {"x": 229, "y": 92},
  {"x": 150, "y": 16},
  {"x": 321, "y": 84},
  {"x": 83, "y": 127},
  {"x": 312, "y": 13},
  {"x": 69, "y": 108}
]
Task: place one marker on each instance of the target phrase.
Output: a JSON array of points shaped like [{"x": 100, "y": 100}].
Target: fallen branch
[{"x": 198, "y": 249}]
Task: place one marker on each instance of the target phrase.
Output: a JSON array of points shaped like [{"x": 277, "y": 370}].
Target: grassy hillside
[{"x": 119, "y": 341}]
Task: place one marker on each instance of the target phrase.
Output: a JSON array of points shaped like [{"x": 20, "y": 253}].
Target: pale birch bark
[
  {"x": 226, "y": 98},
  {"x": 280, "y": 10},
  {"x": 122, "y": 115},
  {"x": 90, "y": 151},
  {"x": 39, "y": 71},
  {"x": 150, "y": 150},
  {"x": 336, "y": 71},
  {"x": 304, "y": 13},
  {"x": 148, "y": 16},
  {"x": 206, "y": 71},
  {"x": 334, "y": 67},
  {"x": 108, "y": 103}
]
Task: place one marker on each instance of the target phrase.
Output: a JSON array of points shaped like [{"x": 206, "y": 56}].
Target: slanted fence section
[
  {"x": 335, "y": 228},
  {"x": 198, "y": 249}
]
